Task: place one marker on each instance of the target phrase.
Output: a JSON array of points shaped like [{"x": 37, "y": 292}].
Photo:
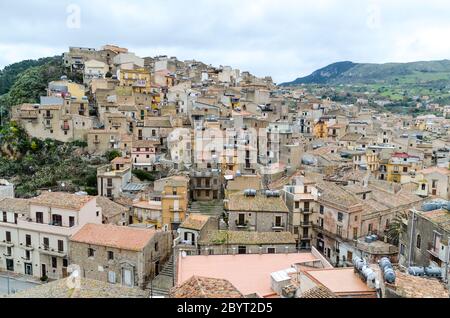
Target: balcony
[
  {"x": 96, "y": 141},
  {"x": 307, "y": 212},
  {"x": 29, "y": 116},
  {"x": 6, "y": 244},
  {"x": 306, "y": 224},
  {"x": 65, "y": 127},
  {"x": 306, "y": 237},
  {"x": 278, "y": 226},
  {"x": 26, "y": 247},
  {"x": 242, "y": 225},
  {"x": 47, "y": 116},
  {"x": 433, "y": 251},
  {"x": 51, "y": 252}
]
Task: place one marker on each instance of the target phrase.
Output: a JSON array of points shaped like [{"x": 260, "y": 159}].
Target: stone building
[
  {"x": 258, "y": 212},
  {"x": 119, "y": 255}
]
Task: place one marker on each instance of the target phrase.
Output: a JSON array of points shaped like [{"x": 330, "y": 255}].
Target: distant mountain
[{"x": 390, "y": 73}]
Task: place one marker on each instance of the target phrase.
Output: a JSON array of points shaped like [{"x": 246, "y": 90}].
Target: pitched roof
[
  {"x": 126, "y": 238},
  {"x": 110, "y": 208},
  {"x": 260, "y": 203},
  {"x": 351, "y": 137},
  {"x": 319, "y": 292},
  {"x": 88, "y": 289},
  {"x": 202, "y": 287},
  {"x": 195, "y": 222},
  {"x": 20, "y": 206},
  {"x": 62, "y": 200},
  {"x": 247, "y": 238},
  {"x": 443, "y": 171}
]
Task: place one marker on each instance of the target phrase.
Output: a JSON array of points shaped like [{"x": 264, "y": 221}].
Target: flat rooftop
[
  {"x": 248, "y": 273},
  {"x": 341, "y": 281}
]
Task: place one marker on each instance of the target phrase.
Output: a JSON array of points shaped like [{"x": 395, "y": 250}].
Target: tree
[
  {"x": 397, "y": 227},
  {"x": 112, "y": 154}
]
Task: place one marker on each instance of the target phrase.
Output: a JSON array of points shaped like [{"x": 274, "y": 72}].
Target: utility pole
[
  {"x": 411, "y": 243},
  {"x": 447, "y": 259}
]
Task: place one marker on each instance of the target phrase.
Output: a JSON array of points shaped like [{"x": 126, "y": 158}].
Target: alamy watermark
[{"x": 73, "y": 20}]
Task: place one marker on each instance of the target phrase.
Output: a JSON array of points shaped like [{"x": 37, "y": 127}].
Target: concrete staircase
[
  {"x": 211, "y": 208},
  {"x": 161, "y": 285}
]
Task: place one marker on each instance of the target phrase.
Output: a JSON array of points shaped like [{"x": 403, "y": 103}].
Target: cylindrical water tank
[
  {"x": 389, "y": 275},
  {"x": 368, "y": 239},
  {"x": 368, "y": 274},
  {"x": 374, "y": 238},
  {"x": 416, "y": 271},
  {"x": 433, "y": 272},
  {"x": 430, "y": 206},
  {"x": 385, "y": 263}
]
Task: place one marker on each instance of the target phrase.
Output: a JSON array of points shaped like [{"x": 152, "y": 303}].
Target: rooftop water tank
[
  {"x": 416, "y": 271},
  {"x": 430, "y": 206},
  {"x": 389, "y": 275},
  {"x": 374, "y": 238},
  {"x": 368, "y": 274},
  {"x": 250, "y": 193},
  {"x": 368, "y": 239},
  {"x": 433, "y": 272},
  {"x": 385, "y": 263}
]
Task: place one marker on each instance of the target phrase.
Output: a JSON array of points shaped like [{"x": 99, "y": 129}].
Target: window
[
  {"x": 322, "y": 209},
  {"x": 339, "y": 230},
  {"x": 174, "y": 191},
  {"x": 54, "y": 262},
  {"x": 370, "y": 228},
  {"x": 355, "y": 233},
  {"x": 91, "y": 252},
  {"x": 156, "y": 247},
  {"x": 46, "y": 243},
  {"x": 340, "y": 217},
  {"x": 405, "y": 169},
  {"x": 364, "y": 196},
  {"x": 71, "y": 221},
  {"x": 65, "y": 262},
  {"x": 297, "y": 205},
  {"x": 60, "y": 246},
  {"x": 5, "y": 217},
  {"x": 112, "y": 277},
  {"x": 419, "y": 241},
  {"x": 402, "y": 249},
  {"x": 27, "y": 255},
  {"x": 270, "y": 250},
  {"x": 57, "y": 220},
  {"x": 424, "y": 186},
  {"x": 110, "y": 256},
  {"x": 28, "y": 240},
  {"x": 40, "y": 217}
]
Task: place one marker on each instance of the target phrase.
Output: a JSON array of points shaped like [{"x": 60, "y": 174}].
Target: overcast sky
[{"x": 282, "y": 38}]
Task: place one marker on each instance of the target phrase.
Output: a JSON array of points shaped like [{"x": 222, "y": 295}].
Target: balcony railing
[
  {"x": 242, "y": 225},
  {"x": 306, "y": 224},
  {"x": 48, "y": 116},
  {"x": 307, "y": 211},
  {"x": 278, "y": 226},
  {"x": 6, "y": 244}
]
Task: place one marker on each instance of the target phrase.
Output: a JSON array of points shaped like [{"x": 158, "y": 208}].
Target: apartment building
[
  {"x": 174, "y": 200},
  {"x": 143, "y": 154},
  {"x": 119, "y": 255},
  {"x": 402, "y": 167},
  {"x": 113, "y": 178},
  {"x": 258, "y": 211},
  {"x": 35, "y": 233},
  {"x": 301, "y": 199}
]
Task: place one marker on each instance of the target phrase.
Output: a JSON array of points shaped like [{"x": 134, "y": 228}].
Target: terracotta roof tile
[{"x": 126, "y": 238}]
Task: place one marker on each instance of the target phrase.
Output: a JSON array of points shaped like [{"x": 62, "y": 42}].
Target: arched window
[{"x": 419, "y": 241}]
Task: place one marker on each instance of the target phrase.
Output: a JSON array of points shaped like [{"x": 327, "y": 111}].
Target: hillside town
[{"x": 225, "y": 185}]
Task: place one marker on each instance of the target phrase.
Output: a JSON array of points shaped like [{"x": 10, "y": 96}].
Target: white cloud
[{"x": 282, "y": 38}]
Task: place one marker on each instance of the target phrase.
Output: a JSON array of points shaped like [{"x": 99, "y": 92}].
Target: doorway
[
  {"x": 127, "y": 277},
  {"x": 10, "y": 265},
  {"x": 28, "y": 269},
  {"x": 43, "y": 270}
]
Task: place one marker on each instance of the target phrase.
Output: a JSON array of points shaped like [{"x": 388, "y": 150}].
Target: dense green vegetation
[
  {"x": 437, "y": 72},
  {"x": 144, "y": 175},
  {"x": 33, "y": 164},
  {"x": 9, "y": 74},
  {"x": 28, "y": 85}
]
